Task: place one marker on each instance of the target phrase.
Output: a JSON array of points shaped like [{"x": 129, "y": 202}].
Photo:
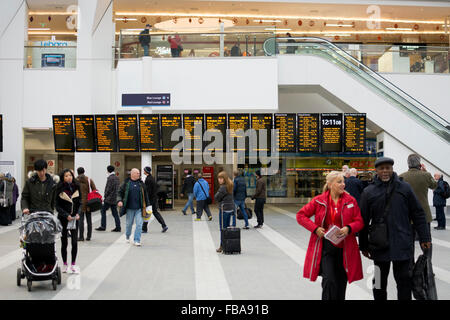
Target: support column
[{"x": 146, "y": 157}]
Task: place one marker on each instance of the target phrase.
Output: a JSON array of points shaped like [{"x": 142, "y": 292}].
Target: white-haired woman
[{"x": 339, "y": 263}]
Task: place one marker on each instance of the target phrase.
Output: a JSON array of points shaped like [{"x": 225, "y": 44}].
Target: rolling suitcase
[{"x": 231, "y": 239}]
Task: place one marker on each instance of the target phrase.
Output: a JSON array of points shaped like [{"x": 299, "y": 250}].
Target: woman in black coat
[{"x": 68, "y": 203}]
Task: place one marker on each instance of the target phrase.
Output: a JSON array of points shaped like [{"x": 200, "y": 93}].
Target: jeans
[
  {"x": 131, "y": 215},
  {"x": 89, "y": 224},
  {"x": 241, "y": 205},
  {"x": 113, "y": 207},
  {"x": 225, "y": 216},
  {"x": 146, "y": 50},
  {"x": 440, "y": 216},
  {"x": 190, "y": 203}
]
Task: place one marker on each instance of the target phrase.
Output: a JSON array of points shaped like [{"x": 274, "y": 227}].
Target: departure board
[
  {"x": 127, "y": 133},
  {"x": 238, "y": 121},
  {"x": 63, "y": 134},
  {"x": 193, "y": 124},
  {"x": 216, "y": 123},
  {"x": 308, "y": 132},
  {"x": 262, "y": 121},
  {"x": 106, "y": 133},
  {"x": 149, "y": 132},
  {"x": 169, "y": 123},
  {"x": 331, "y": 132},
  {"x": 354, "y": 132},
  {"x": 286, "y": 136},
  {"x": 84, "y": 133}
]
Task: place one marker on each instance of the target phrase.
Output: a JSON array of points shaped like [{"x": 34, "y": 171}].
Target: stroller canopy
[{"x": 40, "y": 227}]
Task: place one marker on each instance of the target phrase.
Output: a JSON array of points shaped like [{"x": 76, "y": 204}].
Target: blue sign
[{"x": 146, "y": 100}]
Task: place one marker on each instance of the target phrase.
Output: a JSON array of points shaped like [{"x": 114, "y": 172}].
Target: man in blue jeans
[
  {"x": 188, "y": 188},
  {"x": 239, "y": 194},
  {"x": 133, "y": 197},
  {"x": 111, "y": 189}
]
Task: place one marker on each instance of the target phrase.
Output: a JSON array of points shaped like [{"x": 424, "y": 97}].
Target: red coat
[{"x": 351, "y": 216}]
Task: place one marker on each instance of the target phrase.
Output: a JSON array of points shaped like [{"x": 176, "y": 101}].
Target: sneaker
[
  {"x": 144, "y": 231},
  {"x": 246, "y": 228},
  {"x": 137, "y": 244},
  {"x": 198, "y": 219},
  {"x": 127, "y": 240},
  {"x": 210, "y": 218},
  {"x": 100, "y": 229},
  {"x": 439, "y": 228},
  {"x": 80, "y": 239},
  {"x": 74, "y": 269},
  {"x": 165, "y": 229},
  {"x": 184, "y": 212},
  {"x": 64, "y": 268},
  {"x": 257, "y": 226},
  {"x": 116, "y": 230},
  {"x": 219, "y": 250},
  {"x": 88, "y": 239}
]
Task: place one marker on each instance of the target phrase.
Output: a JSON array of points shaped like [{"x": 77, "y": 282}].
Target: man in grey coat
[{"x": 110, "y": 201}]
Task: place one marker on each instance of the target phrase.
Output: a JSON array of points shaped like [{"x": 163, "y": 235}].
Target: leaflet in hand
[{"x": 332, "y": 235}]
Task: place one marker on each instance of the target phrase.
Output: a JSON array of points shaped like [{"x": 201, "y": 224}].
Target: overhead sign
[
  {"x": 146, "y": 100},
  {"x": 63, "y": 134}
]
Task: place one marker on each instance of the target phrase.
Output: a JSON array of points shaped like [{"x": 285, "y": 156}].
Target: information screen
[
  {"x": 216, "y": 123},
  {"x": 308, "y": 132},
  {"x": 354, "y": 132},
  {"x": 106, "y": 133},
  {"x": 84, "y": 133},
  {"x": 263, "y": 121},
  {"x": 127, "y": 129},
  {"x": 63, "y": 134},
  {"x": 331, "y": 132},
  {"x": 169, "y": 123},
  {"x": 193, "y": 124},
  {"x": 149, "y": 132},
  {"x": 285, "y": 123},
  {"x": 238, "y": 121}
]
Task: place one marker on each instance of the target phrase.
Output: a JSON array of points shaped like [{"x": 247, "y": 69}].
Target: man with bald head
[
  {"x": 353, "y": 185},
  {"x": 133, "y": 197}
]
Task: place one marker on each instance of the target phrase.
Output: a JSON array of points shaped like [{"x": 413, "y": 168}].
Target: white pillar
[
  {"x": 222, "y": 46},
  {"x": 146, "y": 157}
]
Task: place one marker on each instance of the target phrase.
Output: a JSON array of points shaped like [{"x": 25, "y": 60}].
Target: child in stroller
[{"x": 39, "y": 262}]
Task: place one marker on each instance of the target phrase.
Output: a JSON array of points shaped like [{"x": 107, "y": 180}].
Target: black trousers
[
  {"x": 259, "y": 210},
  {"x": 334, "y": 277},
  {"x": 158, "y": 216},
  {"x": 402, "y": 276},
  {"x": 64, "y": 241},
  {"x": 12, "y": 210},
  {"x": 89, "y": 224},
  {"x": 5, "y": 216},
  {"x": 202, "y": 205}
]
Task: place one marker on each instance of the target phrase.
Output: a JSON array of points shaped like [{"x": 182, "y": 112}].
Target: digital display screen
[
  {"x": 52, "y": 60},
  {"x": 149, "y": 132},
  {"x": 286, "y": 136},
  {"x": 238, "y": 123},
  {"x": 63, "y": 134},
  {"x": 170, "y": 123},
  {"x": 84, "y": 133},
  {"x": 216, "y": 123},
  {"x": 354, "y": 132},
  {"x": 193, "y": 127},
  {"x": 106, "y": 133},
  {"x": 127, "y": 129},
  {"x": 308, "y": 132},
  {"x": 262, "y": 121},
  {"x": 331, "y": 132}
]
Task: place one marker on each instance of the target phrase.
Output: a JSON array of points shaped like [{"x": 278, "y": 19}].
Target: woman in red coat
[{"x": 339, "y": 263}]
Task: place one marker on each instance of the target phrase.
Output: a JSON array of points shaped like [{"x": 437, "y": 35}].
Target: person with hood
[
  {"x": 39, "y": 192},
  {"x": 388, "y": 205},
  {"x": 336, "y": 263},
  {"x": 439, "y": 201},
  {"x": 201, "y": 192},
  {"x": 188, "y": 188},
  {"x": 152, "y": 190},
  {"x": 68, "y": 204},
  {"x": 144, "y": 39},
  {"x": 86, "y": 186}
]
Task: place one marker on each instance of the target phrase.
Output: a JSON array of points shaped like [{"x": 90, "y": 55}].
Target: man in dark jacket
[
  {"x": 39, "y": 192},
  {"x": 152, "y": 190},
  {"x": 110, "y": 200},
  {"x": 353, "y": 185},
  {"x": 188, "y": 188},
  {"x": 403, "y": 207},
  {"x": 240, "y": 194},
  {"x": 260, "y": 198},
  {"x": 86, "y": 186},
  {"x": 144, "y": 39},
  {"x": 439, "y": 201}
]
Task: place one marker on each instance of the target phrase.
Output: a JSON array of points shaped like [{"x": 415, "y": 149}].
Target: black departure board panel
[
  {"x": 106, "y": 133},
  {"x": 193, "y": 124},
  {"x": 169, "y": 123},
  {"x": 216, "y": 123},
  {"x": 354, "y": 132},
  {"x": 127, "y": 133},
  {"x": 237, "y": 121},
  {"x": 262, "y": 121},
  {"x": 287, "y": 133},
  {"x": 63, "y": 134},
  {"x": 1, "y": 133},
  {"x": 308, "y": 132},
  {"x": 331, "y": 132},
  {"x": 84, "y": 133},
  {"x": 149, "y": 132}
]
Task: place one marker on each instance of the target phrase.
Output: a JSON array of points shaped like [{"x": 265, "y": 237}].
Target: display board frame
[
  {"x": 114, "y": 136},
  {"x": 94, "y": 133},
  {"x": 135, "y": 133},
  {"x": 71, "y": 133}
]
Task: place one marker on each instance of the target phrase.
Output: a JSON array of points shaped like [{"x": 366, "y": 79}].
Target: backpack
[{"x": 446, "y": 193}]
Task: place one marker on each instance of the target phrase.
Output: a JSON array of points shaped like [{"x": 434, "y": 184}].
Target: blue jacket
[
  {"x": 198, "y": 192},
  {"x": 438, "y": 194},
  {"x": 239, "y": 189}
]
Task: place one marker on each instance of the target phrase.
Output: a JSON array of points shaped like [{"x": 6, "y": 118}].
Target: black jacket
[
  {"x": 239, "y": 188},
  {"x": 144, "y": 37},
  {"x": 404, "y": 208},
  {"x": 438, "y": 194},
  {"x": 65, "y": 205},
  {"x": 111, "y": 189},
  {"x": 188, "y": 185},
  {"x": 39, "y": 196},
  {"x": 152, "y": 187},
  {"x": 355, "y": 187}
]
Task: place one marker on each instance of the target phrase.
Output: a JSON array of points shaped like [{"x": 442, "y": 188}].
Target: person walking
[
  {"x": 68, "y": 202},
  {"x": 133, "y": 197},
  {"x": 152, "y": 190},
  {"x": 110, "y": 200},
  {"x": 145, "y": 39},
  {"x": 188, "y": 188},
  {"x": 260, "y": 198},
  {"x": 15, "y": 197},
  {"x": 240, "y": 194},
  {"x": 224, "y": 198},
  {"x": 336, "y": 263},
  {"x": 388, "y": 206},
  {"x": 353, "y": 185},
  {"x": 439, "y": 201},
  {"x": 201, "y": 192},
  {"x": 86, "y": 186}
]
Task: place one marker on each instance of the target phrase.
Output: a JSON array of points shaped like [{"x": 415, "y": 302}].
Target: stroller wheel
[
  {"x": 19, "y": 276},
  {"x": 29, "y": 282},
  {"x": 54, "y": 283}
]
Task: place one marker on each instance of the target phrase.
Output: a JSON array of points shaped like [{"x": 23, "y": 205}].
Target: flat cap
[{"x": 384, "y": 160}]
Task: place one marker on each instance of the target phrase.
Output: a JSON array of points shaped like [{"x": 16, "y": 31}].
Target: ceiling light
[
  {"x": 126, "y": 19},
  {"x": 277, "y": 29},
  {"x": 267, "y": 20},
  {"x": 38, "y": 29},
  {"x": 338, "y": 25},
  {"x": 400, "y": 29}
]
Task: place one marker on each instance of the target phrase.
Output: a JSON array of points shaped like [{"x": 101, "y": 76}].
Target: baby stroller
[{"x": 39, "y": 263}]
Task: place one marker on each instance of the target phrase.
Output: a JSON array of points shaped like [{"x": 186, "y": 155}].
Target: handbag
[
  {"x": 208, "y": 197},
  {"x": 94, "y": 199}
]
